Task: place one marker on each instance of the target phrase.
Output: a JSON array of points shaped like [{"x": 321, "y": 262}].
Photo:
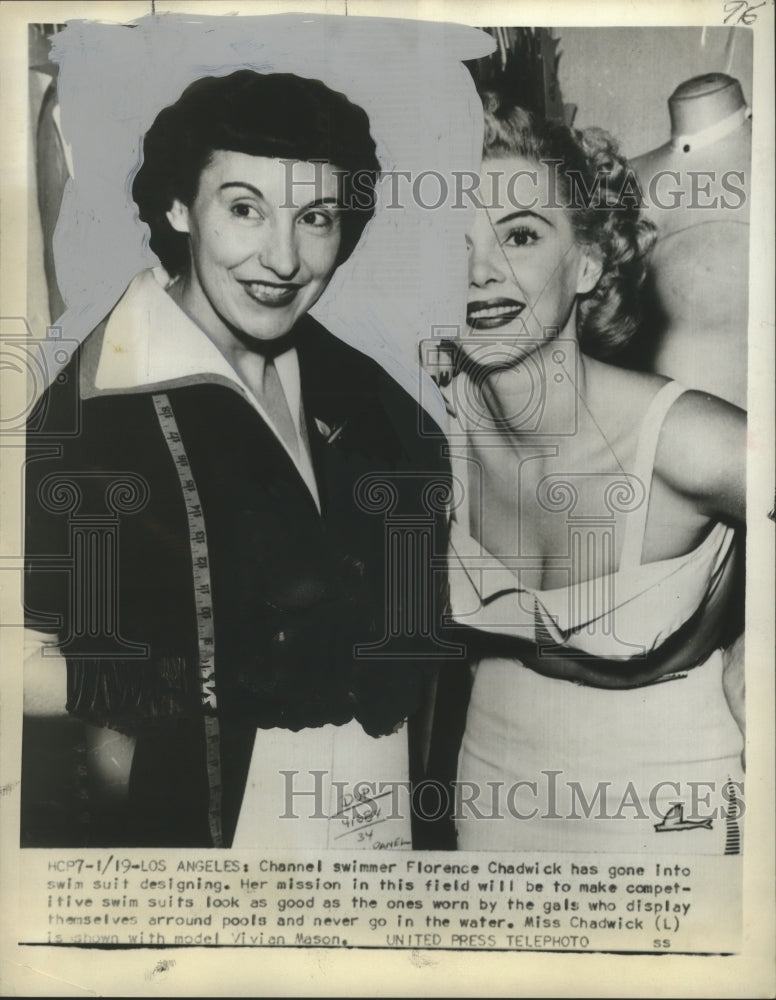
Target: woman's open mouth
[
  {"x": 492, "y": 313},
  {"x": 271, "y": 294}
]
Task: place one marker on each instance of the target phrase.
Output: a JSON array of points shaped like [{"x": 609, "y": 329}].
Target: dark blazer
[{"x": 109, "y": 567}]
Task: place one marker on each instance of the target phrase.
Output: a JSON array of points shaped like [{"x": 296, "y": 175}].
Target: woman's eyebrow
[
  {"x": 254, "y": 190},
  {"x": 242, "y": 184},
  {"x": 522, "y": 214},
  {"x": 335, "y": 202}
]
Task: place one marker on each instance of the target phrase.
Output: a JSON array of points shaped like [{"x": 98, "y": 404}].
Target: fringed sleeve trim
[{"x": 127, "y": 695}]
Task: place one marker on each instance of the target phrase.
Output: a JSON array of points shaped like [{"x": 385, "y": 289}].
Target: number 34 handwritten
[{"x": 740, "y": 12}]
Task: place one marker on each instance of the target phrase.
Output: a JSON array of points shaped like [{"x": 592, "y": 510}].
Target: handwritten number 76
[{"x": 741, "y": 11}]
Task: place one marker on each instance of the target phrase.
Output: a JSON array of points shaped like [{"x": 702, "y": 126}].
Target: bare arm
[
  {"x": 703, "y": 457},
  {"x": 45, "y": 676},
  {"x": 733, "y": 681},
  {"x": 109, "y": 754}
]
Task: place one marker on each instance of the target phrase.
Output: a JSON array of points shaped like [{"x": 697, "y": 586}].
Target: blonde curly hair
[{"x": 599, "y": 189}]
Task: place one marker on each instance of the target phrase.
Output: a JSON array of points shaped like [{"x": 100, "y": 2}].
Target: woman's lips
[
  {"x": 492, "y": 313},
  {"x": 271, "y": 294}
]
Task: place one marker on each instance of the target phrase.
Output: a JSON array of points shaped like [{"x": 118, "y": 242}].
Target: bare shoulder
[
  {"x": 627, "y": 394},
  {"x": 698, "y": 420},
  {"x": 702, "y": 452},
  {"x": 619, "y": 397}
]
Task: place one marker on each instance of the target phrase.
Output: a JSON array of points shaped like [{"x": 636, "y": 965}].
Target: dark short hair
[
  {"x": 610, "y": 220},
  {"x": 276, "y": 115}
]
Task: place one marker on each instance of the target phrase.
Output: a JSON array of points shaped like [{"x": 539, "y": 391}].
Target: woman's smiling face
[
  {"x": 526, "y": 268},
  {"x": 264, "y": 238}
]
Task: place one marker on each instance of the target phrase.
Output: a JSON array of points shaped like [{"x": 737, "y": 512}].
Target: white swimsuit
[{"x": 549, "y": 764}]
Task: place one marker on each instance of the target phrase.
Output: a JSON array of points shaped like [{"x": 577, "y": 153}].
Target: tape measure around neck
[{"x": 203, "y": 601}]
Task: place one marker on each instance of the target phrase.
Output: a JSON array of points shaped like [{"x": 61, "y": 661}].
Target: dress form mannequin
[{"x": 697, "y": 189}]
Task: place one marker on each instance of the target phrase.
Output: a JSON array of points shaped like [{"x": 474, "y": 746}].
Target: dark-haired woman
[
  {"x": 594, "y": 538},
  {"x": 213, "y": 650}
]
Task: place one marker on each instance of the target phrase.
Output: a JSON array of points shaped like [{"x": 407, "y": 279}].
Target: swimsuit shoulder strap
[{"x": 643, "y": 468}]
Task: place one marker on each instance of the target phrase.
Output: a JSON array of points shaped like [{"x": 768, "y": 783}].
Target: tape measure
[{"x": 203, "y": 603}]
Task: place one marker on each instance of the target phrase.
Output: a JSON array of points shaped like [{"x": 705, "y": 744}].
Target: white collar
[
  {"x": 712, "y": 133},
  {"x": 149, "y": 342}
]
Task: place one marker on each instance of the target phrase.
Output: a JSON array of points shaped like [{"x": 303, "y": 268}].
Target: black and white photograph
[{"x": 388, "y": 436}]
